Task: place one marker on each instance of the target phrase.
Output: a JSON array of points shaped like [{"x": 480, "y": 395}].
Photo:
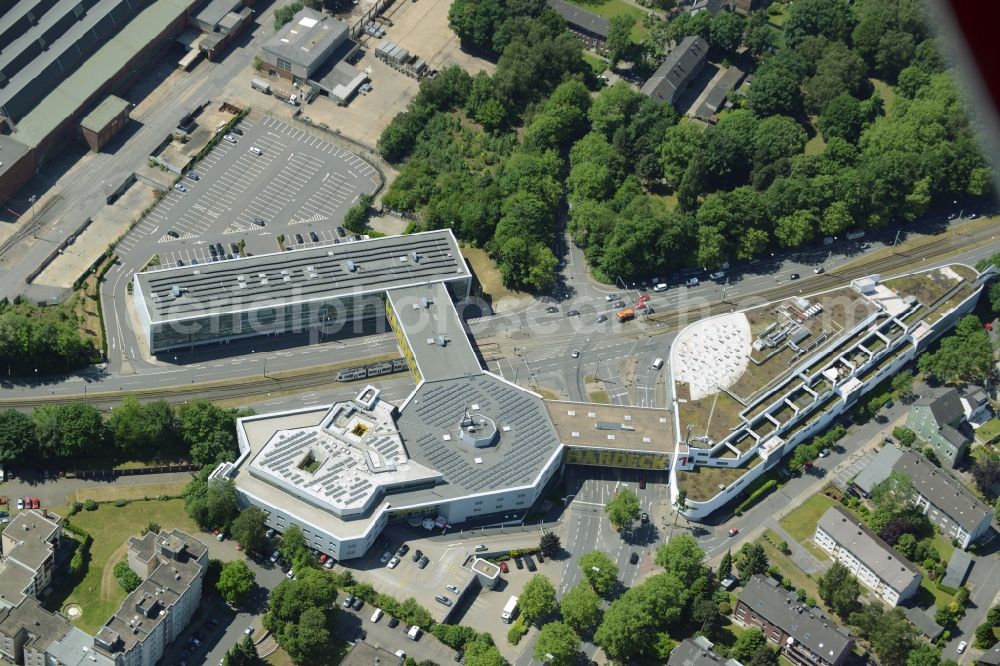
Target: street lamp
[{"x": 32, "y": 199}]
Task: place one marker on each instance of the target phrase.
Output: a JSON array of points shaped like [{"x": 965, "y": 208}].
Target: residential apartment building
[
  {"x": 804, "y": 635},
  {"x": 938, "y": 421},
  {"x": 677, "y": 70},
  {"x": 959, "y": 514},
  {"x": 872, "y": 561},
  {"x": 172, "y": 564},
  {"x": 590, "y": 28},
  {"x": 28, "y": 547}
]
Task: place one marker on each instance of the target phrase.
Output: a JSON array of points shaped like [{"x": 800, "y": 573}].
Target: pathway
[{"x": 799, "y": 554}]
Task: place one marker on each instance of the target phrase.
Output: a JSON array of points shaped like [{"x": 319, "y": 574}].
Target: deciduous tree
[
  {"x": 581, "y": 608},
  {"x": 235, "y": 582},
  {"x": 557, "y": 644},
  {"x": 600, "y": 571}
]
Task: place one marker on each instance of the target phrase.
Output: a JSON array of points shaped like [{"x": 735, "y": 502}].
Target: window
[{"x": 284, "y": 64}]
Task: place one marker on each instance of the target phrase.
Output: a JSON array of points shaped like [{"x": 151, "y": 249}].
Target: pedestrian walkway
[{"x": 802, "y": 557}]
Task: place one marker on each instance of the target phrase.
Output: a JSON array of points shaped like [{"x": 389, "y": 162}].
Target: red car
[
  {"x": 644, "y": 298},
  {"x": 503, "y": 567},
  {"x": 322, "y": 558},
  {"x": 35, "y": 503},
  {"x": 733, "y": 531}
]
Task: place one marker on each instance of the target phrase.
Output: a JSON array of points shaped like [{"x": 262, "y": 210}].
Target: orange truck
[{"x": 626, "y": 315}]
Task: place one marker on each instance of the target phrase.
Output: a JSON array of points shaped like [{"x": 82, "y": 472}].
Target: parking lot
[{"x": 265, "y": 179}]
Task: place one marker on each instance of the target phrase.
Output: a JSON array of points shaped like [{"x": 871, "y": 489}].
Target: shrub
[
  {"x": 811, "y": 601},
  {"x": 128, "y": 579},
  {"x": 786, "y": 582},
  {"x": 800, "y": 592},
  {"x": 783, "y": 547},
  {"x": 517, "y": 631},
  {"x": 90, "y": 505},
  {"x": 904, "y": 435},
  {"x": 764, "y": 490},
  {"x": 75, "y": 508},
  {"x": 121, "y": 502},
  {"x": 725, "y": 608}
]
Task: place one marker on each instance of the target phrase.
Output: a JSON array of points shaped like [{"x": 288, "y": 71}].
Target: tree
[
  {"x": 209, "y": 431},
  {"x": 476, "y": 21},
  {"x": 624, "y": 630},
  {"x": 619, "y": 44},
  {"x": 481, "y": 654},
  {"x": 128, "y": 579},
  {"x": 243, "y": 653},
  {"x": 69, "y": 431},
  {"x": 840, "y": 590},
  {"x": 600, "y": 571},
  {"x": 924, "y": 654},
  {"x": 775, "y": 92},
  {"x": 751, "y": 649},
  {"x": 557, "y": 644},
  {"x": 842, "y": 118},
  {"x": 283, "y": 15},
  {"x": 725, "y": 566},
  {"x": 902, "y": 384},
  {"x": 963, "y": 356},
  {"x": 298, "y": 618},
  {"x": 293, "y": 546},
  {"x": 682, "y": 557},
  {"x": 235, "y": 582},
  {"x": 795, "y": 229},
  {"x": 890, "y": 634},
  {"x": 212, "y": 504},
  {"x": 985, "y": 638},
  {"x": 726, "y": 31},
  {"x": 249, "y": 529},
  {"x": 986, "y": 474},
  {"x": 537, "y": 599},
  {"x": 17, "y": 437},
  {"x": 581, "y": 608},
  {"x": 895, "y": 51},
  {"x": 680, "y": 144},
  {"x": 826, "y": 18},
  {"x": 750, "y": 560},
  {"x": 705, "y": 613},
  {"x": 623, "y": 509},
  {"x": 549, "y": 544},
  {"x": 680, "y": 504}
]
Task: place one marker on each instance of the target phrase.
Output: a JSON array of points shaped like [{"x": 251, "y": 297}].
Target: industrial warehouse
[{"x": 290, "y": 291}]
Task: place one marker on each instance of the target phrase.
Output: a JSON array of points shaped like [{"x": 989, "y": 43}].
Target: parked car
[
  {"x": 393, "y": 563},
  {"x": 20, "y": 503},
  {"x": 481, "y": 548},
  {"x": 275, "y": 556},
  {"x": 503, "y": 567},
  {"x": 230, "y": 138},
  {"x": 180, "y": 187},
  {"x": 530, "y": 563},
  {"x": 611, "y": 297},
  {"x": 819, "y": 270},
  {"x": 453, "y": 589},
  {"x": 441, "y": 599},
  {"x": 733, "y": 531},
  {"x": 633, "y": 558},
  {"x": 573, "y": 313},
  {"x": 256, "y": 151},
  {"x": 691, "y": 282},
  {"x": 393, "y": 623},
  {"x": 248, "y": 631},
  {"x": 193, "y": 175},
  {"x": 377, "y": 615},
  {"x": 349, "y": 601},
  {"x": 237, "y": 130},
  {"x": 386, "y": 556},
  {"x": 717, "y": 275},
  {"x": 313, "y": 237},
  {"x": 644, "y": 517},
  {"x": 618, "y": 304},
  {"x": 793, "y": 276},
  {"x": 576, "y": 353},
  {"x": 403, "y": 550},
  {"x": 329, "y": 563},
  {"x": 601, "y": 319},
  {"x": 341, "y": 232},
  {"x": 518, "y": 562},
  {"x": 35, "y": 503},
  {"x": 417, "y": 554},
  {"x": 961, "y": 647},
  {"x": 299, "y": 239},
  {"x": 423, "y": 562},
  {"x": 359, "y": 603},
  {"x": 552, "y": 309}
]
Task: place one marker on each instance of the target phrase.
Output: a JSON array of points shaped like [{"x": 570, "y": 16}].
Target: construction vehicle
[{"x": 626, "y": 315}]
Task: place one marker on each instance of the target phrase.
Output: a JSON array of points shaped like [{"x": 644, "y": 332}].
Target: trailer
[
  {"x": 509, "y": 610},
  {"x": 261, "y": 85}
]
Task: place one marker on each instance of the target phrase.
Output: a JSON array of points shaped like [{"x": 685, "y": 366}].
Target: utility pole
[{"x": 895, "y": 240}]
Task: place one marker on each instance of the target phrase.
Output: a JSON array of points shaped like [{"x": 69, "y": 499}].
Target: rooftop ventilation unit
[
  {"x": 176, "y": 291},
  {"x": 443, "y": 341},
  {"x": 414, "y": 256},
  {"x": 425, "y": 303},
  {"x": 351, "y": 266}
]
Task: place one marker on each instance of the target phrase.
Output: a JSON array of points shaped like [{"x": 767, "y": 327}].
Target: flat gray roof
[
  {"x": 216, "y": 10},
  {"x": 76, "y": 648},
  {"x": 428, "y": 318},
  {"x": 429, "y": 422},
  {"x": 612, "y": 426},
  {"x": 109, "y": 109},
  {"x": 306, "y": 38},
  {"x": 313, "y": 274},
  {"x": 44, "y": 626},
  {"x": 803, "y": 623},
  {"x": 879, "y": 469},
  {"x": 365, "y": 654},
  {"x": 854, "y": 536}
]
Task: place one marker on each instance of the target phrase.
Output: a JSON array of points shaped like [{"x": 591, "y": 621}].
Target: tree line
[
  {"x": 503, "y": 160},
  {"x": 41, "y": 340},
  {"x": 63, "y": 434}
]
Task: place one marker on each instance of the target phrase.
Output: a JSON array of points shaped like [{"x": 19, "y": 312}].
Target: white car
[
  {"x": 824, "y": 453},
  {"x": 20, "y": 502},
  {"x": 453, "y": 589},
  {"x": 576, "y": 353},
  {"x": 256, "y": 151},
  {"x": 377, "y": 615},
  {"x": 393, "y": 563},
  {"x": 691, "y": 282},
  {"x": 961, "y": 647},
  {"x": 386, "y": 556},
  {"x": 660, "y": 287},
  {"x": 718, "y": 275},
  {"x": 611, "y": 297},
  {"x": 328, "y": 564},
  {"x": 400, "y": 654},
  {"x": 180, "y": 187},
  {"x": 290, "y": 575},
  {"x": 230, "y": 138}
]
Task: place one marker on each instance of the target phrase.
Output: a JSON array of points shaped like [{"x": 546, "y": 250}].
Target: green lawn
[
  {"x": 989, "y": 431},
  {"x": 612, "y": 8},
  {"x": 801, "y": 523},
  {"x": 815, "y": 145},
  {"x": 788, "y": 568},
  {"x": 886, "y": 92},
  {"x": 98, "y": 593},
  {"x": 596, "y": 62}
]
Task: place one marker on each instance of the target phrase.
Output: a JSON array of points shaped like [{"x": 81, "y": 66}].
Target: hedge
[{"x": 765, "y": 489}]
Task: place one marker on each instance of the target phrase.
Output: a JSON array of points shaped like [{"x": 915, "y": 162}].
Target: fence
[{"x": 102, "y": 474}]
